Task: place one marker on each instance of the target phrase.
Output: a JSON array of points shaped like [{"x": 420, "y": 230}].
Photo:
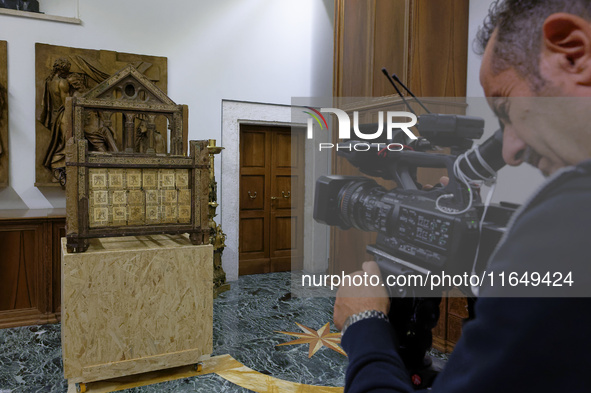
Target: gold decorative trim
[{"x": 224, "y": 365}]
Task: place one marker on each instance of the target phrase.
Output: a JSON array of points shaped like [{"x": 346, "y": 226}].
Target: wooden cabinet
[
  {"x": 425, "y": 42},
  {"x": 30, "y": 266},
  {"x": 453, "y": 311}
]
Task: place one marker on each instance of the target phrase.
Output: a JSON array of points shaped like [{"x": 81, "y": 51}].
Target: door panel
[
  {"x": 253, "y": 152},
  {"x": 271, "y": 216},
  {"x": 19, "y": 270},
  {"x": 282, "y": 150},
  {"x": 283, "y": 226},
  {"x": 251, "y": 241}
]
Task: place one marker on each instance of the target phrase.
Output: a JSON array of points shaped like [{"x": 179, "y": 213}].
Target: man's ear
[{"x": 567, "y": 45}]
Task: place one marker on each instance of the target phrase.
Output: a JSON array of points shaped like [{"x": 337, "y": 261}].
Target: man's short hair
[
  {"x": 519, "y": 33},
  {"x": 62, "y": 64}
]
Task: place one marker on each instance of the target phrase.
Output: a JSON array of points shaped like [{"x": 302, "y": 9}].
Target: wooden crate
[{"x": 135, "y": 304}]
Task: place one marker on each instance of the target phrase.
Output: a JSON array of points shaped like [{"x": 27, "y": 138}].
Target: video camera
[
  {"x": 420, "y": 231},
  {"x": 443, "y": 229}
]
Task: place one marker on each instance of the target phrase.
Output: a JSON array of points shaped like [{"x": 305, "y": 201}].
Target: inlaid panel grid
[{"x": 121, "y": 197}]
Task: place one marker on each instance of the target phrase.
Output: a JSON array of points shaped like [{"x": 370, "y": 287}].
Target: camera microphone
[{"x": 387, "y": 74}]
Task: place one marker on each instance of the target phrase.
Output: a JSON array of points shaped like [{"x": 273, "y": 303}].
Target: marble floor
[
  {"x": 247, "y": 323},
  {"x": 247, "y": 319}
]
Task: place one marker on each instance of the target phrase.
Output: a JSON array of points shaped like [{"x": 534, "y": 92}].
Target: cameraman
[{"x": 532, "y": 49}]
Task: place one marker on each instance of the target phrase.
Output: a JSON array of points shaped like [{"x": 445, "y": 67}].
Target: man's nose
[{"x": 513, "y": 148}]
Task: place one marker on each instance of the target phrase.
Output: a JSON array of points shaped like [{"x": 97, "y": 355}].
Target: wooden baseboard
[
  {"x": 442, "y": 345},
  {"x": 26, "y": 317}
]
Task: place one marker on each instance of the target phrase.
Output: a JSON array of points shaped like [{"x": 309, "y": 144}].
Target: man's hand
[
  {"x": 443, "y": 181},
  {"x": 355, "y": 299}
]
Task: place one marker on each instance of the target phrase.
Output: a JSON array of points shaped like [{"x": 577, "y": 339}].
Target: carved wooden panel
[
  {"x": 20, "y": 287},
  {"x": 62, "y": 72},
  {"x": 29, "y": 267},
  {"x": 3, "y": 115}
]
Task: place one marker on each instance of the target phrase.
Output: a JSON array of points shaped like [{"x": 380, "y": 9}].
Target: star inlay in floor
[{"x": 316, "y": 338}]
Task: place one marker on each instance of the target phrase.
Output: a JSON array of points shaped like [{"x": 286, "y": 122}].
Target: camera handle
[{"x": 405, "y": 164}]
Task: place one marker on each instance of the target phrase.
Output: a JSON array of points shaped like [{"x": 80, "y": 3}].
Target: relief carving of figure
[
  {"x": 59, "y": 85},
  {"x": 22, "y": 5},
  {"x": 141, "y": 138},
  {"x": 100, "y": 136},
  {"x": 55, "y": 91}
]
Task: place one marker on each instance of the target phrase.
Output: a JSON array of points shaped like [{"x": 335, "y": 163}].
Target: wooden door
[{"x": 271, "y": 199}]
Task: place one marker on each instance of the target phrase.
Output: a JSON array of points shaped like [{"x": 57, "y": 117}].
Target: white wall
[
  {"x": 251, "y": 50},
  {"x": 67, "y": 8},
  {"x": 514, "y": 184}
]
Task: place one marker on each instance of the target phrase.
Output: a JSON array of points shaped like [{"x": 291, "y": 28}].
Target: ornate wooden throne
[{"x": 127, "y": 169}]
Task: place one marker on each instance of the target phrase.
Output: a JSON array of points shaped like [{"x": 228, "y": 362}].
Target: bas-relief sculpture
[
  {"x": 21, "y": 5},
  {"x": 131, "y": 182},
  {"x": 63, "y": 72},
  {"x": 3, "y": 115}
]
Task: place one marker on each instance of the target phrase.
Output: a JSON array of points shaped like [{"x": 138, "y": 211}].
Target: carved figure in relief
[
  {"x": 55, "y": 91},
  {"x": 59, "y": 85},
  {"x": 142, "y": 138},
  {"x": 22, "y": 5},
  {"x": 100, "y": 137}
]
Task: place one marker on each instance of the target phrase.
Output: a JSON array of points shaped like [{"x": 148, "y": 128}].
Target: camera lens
[{"x": 359, "y": 203}]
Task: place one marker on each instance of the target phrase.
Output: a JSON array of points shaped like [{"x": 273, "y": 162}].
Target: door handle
[
  {"x": 274, "y": 198},
  {"x": 286, "y": 196},
  {"x": 252, "y": 196}
]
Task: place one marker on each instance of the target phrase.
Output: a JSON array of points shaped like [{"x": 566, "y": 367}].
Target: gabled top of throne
[{"x": 128, "y": 87}]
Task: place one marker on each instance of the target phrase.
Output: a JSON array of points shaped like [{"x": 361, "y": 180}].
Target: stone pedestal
[{"x": 135, "y": 304}]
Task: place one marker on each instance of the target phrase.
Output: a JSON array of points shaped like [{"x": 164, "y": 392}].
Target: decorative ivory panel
[{"x": 120, "y": 197}]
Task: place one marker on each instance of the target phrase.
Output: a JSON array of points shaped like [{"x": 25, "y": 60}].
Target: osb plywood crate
[{"x": 135, "y": 304}]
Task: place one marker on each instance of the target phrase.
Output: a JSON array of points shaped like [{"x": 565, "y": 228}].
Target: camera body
[
  {"x": 413, "y": 235},
  {"x": 420, "y": 231}
]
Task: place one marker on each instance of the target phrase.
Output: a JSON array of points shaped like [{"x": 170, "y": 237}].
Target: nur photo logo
[{"x": 344, "y": 128}]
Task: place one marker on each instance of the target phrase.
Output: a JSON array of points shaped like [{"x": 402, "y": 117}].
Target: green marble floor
[{"x": 246, "y": 323}]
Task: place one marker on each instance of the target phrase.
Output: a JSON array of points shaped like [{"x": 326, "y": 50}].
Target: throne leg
[
  {"x": 196, "y": 238},
  {"x": 76, "y": 244}
]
